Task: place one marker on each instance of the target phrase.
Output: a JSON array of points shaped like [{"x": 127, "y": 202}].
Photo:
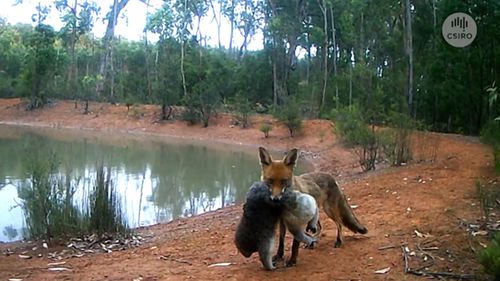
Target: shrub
[
  {"x": 490, "y": 134},
  {"x": 243, "y": 109},
  {"x": 191, "y": 115},
  {"x": 490, "y": 258},
  {"x": 354, "y": 132},
  {"x": 289, "y": 115},
  {"x": 397, "y": 140},
  {"x": 105, "y": 211},
  {"x": 266, "y": 128},
  {"x": 47, "y": 199}
]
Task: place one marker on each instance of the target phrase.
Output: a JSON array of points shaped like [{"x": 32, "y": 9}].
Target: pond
[{"x": 158, "y": 178}]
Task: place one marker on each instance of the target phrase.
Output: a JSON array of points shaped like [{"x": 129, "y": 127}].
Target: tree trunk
[
  {"x": 334, "y": 42},
  {"x": 231, "y": 32},
  {"x": 409, "y": 53},
  {"x": 350, "y": 82},
  {"x": 183, "y": 47},
  {"x": 322, "y": 6},
  {"x": 108, "y": 38},
  {"x": 72, "y": 70},
  {"x": 217, "y": 22},
  {"x": 275, "y": 84},
  {"x": 146, "y": 59}
]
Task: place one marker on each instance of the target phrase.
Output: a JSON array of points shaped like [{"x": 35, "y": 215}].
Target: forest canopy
[{"x": 381, "y": 56}]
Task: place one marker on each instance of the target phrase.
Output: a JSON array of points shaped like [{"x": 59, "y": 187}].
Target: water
[{"x": 159, "y": 179}]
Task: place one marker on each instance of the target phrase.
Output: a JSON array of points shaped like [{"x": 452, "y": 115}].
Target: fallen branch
[
  {"x": 387, "y": 247},
  {"x": 443, "y": 274},
  {"x": 176, "y": 260},
  {"x": 405, "y": 257},
  {"x": 433, "y": 274}
]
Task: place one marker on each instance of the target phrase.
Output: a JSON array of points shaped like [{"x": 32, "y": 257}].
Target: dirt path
[{"x": 433, "y": 198}]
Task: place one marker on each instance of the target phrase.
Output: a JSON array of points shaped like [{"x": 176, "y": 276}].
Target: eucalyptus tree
[
  {"x": 167, "y": 82},
  {"x": 39, "y": 64},
  {"x": 106, "y": 65},
  {"x": 78, "y": 20},
  {"x": 284, "y": 28}
]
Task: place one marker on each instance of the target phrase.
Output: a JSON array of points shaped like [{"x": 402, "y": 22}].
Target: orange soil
[{"x": 433, "y": 197}]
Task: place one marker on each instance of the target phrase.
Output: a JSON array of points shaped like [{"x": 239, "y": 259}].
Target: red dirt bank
[{"x": 434, "y": 198}]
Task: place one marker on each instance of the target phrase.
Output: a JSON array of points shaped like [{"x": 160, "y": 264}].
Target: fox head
[{"x": 277, "y": 174}]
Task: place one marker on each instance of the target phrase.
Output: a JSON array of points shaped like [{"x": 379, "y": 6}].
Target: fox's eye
[
  {"x": 284, "y": 182},
  {"x": 270, "y": 181}
]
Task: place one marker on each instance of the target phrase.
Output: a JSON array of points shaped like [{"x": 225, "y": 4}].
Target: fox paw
[
  {"x": 277, "y": 258},
  {"x": 290, "y": 263},
  {"x": 312, "y": 245}
]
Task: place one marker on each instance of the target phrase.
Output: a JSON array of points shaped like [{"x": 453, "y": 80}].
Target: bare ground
[{"x": 424, "y": 206}]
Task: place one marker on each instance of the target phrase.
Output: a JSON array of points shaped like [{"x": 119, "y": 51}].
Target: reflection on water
[{"x": 159, "y": 180}]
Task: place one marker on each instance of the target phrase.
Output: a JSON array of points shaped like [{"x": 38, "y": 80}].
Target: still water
[{"x": 159, "y": 179}]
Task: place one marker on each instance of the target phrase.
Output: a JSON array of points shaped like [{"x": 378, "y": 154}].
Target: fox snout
[
  {"x": 277, "y": 192},
  {"x": 275, "y": 198}
]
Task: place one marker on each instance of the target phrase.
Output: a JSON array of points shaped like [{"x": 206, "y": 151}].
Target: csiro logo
[{"x": 459, "y": 30}]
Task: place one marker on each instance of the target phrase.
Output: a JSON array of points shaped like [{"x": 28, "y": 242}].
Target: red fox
[{"x": 278, "y": 174}]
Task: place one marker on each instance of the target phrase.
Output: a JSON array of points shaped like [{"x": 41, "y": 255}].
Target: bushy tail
[
  {"x": 336, "y": 198},
  {"x": 349, "y": 218}
]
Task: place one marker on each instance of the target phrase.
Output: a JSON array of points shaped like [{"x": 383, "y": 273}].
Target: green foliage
[
  {"x": 48, "y": 201},
  {"x": 490, "y": 134},
  {"x": 490, "y": 258},
  {"x": 397, "y": 144},
  {"x": 191, "y": 113},
  {"x": 290, "y": 116},
  {"x": 350, "y": 126},
  {"x": 243, "y": 109},
  {"x": 105, "y": 211},
  {"x": 353, "y": 131},
  {"x": 266, "y": 128},
  {"x": 39, "y": 64},
  {"x": 369, "y": 67}
]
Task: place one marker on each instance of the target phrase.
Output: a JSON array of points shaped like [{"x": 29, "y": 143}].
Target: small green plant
[
  {"x": 49, "y": 204},
  {"x": 136, "y": 112},
  {"x": 243, "y": 109},
  {"x": 322, "y": 135},
  {"x": 490, "y": 258},
  {"x": 191, "y": 116},
  {"x": 490, "y": 134},
  {"x": 46, "y": 199},
  {"x": 266, "y": 128},
  {"x": 354, "y": 132},
  {"x": 290, "y": 116},
  {"x": 105, "y": 211}
]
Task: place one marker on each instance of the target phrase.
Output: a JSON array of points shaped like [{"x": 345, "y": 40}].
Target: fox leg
[
  {"x": 266, "y": 248},
  {"x": 295, "y": 253},
  {"x": 329, "y": 210},
  {"x": 281, "y": 245}
]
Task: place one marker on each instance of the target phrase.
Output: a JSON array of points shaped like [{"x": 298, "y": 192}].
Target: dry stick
[
  {"x": 405, "y": 257},
  {"x": 176, "y": 260},
  {"x": 435, "y": 274},
  {"x": 387, "y": 247},
  {"x": 444, "y": 274}
]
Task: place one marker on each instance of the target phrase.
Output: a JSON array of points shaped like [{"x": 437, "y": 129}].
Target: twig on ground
[
  {"x": 405, "y": 257},
  {"x": 387, "y": 247},
  {"x": 444, "y": 274},
  {"x": 176, "y": 260}
]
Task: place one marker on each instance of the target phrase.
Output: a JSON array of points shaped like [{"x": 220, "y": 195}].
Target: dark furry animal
[{"x": 256, "y": 230}]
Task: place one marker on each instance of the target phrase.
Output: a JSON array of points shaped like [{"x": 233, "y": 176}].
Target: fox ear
[
  {"x": 291, "y": 157},
  {"x": 265, "y": 158}
]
